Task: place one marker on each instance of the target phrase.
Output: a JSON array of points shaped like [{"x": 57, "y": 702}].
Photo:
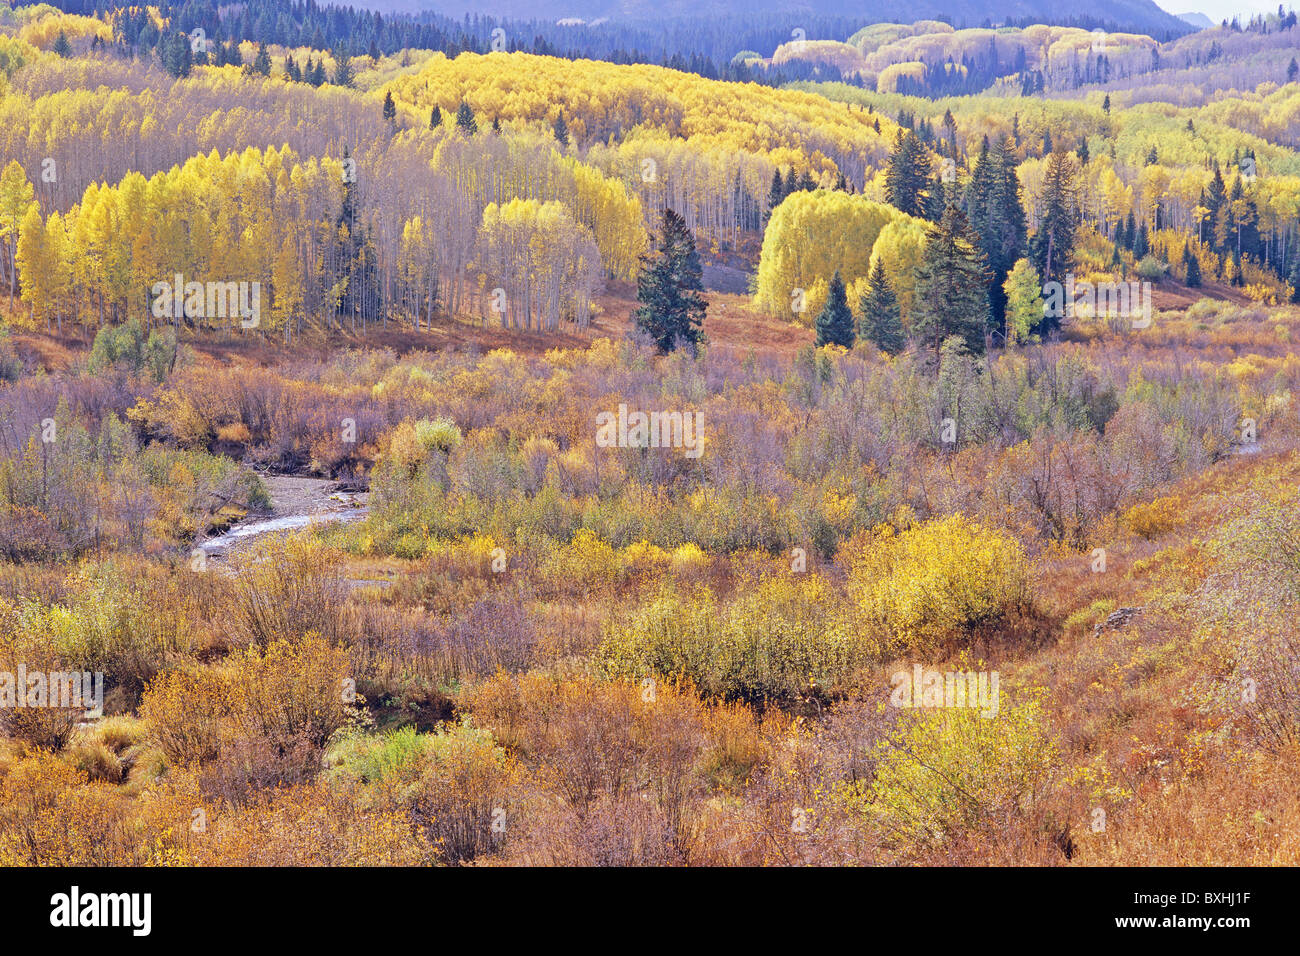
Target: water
[{"x": 345, "y": 508}]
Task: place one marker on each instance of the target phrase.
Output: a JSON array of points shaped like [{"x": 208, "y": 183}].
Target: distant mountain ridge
[
  {"x": 1138, "y": 16},
  {"x": 1198, "y": 20}
]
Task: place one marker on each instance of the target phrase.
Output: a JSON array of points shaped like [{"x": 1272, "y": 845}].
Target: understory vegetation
[{"x": 605, "y": 463}]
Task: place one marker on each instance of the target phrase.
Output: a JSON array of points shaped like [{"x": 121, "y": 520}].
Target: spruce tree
[
  {"x": 262, "y": 61},
  {"x": 435, "y": 118},
  {"x": 62, "y": 46},
  {"x": 390, "y": 108},
  {"x": 881, "y": 322},
  {"x": 951, "y": 296},
  {"x": 343, "y": 72},
  {"x": 995, "y": 214},
  {"x": 1193, "y": 267},
  {"x": 1052, "y": 248},
  {"x": 465, "y": 119},
  {"x": 936, "y": 198},
  {"x": 670, "y": 288},
  {"x": 561, "y": 131},
  {"x": 174, "y": 51},
  {"x": 1141, "y": 245},
  {"x": 907, "y": 174},
  {"x": 835, "y": 322},
  {"x": 774, "y": 194}
]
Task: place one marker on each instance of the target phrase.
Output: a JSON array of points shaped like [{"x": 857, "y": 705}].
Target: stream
[{"x": 295, "y": 503}]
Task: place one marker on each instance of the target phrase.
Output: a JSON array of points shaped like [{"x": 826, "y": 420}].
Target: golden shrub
[{"x": 938, "y": 580}]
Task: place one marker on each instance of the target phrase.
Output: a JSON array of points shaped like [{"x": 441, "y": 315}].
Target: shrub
[
  {"x": 455, "y": 784},
  {"x": 1151, "y": 269},
  {"x": 938, "y": 581},
  {"x": 782, "y": 641},
  {"x": 289, "y": 696},
  {"x": 948, "y": 770},
  {"x": 1152, "y": 520}
]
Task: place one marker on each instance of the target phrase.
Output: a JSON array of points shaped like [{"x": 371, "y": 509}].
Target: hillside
[
  {"x": 1138, "y": 15},
  {"x": 444, "y": 450}
]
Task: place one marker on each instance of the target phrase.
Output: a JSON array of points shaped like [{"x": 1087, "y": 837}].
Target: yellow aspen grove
[
  {"x": 809, "y": 237},
  {"x": 16, "y": 200}
]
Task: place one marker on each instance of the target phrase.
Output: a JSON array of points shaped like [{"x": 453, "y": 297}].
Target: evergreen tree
[
  {"x": 1292, "y": 70},
  {"x": 997, "y": 217},
  {"x": 1142, "y": 244},
  {"x": 435, "y": 118},
  {"x": 1235, "y": 275},
  {"x": 936, "y": 198},
  {"x": 1052, "y": 248},
  {"x": 951, "y": 297},
  {"x": 561, "y": 131},
  {"x": 774, "y": 195},
  {"x": 791, "y": 183},
  {"x": 1105, "y": 105},
  {"x": 1192, "y": 266},
  {"x": 262, "y": 61},
  {"x": 390, "y": 108},
  {"x": 465, "y": 119},
  {"x": 174, "y": 51},
  {"x": 1082, "y": 151},
  {"x": 881, "y": 322},
  {"x": 496, "y": 124},
  {"x": 670, "y": 288},
  {"x": 835, "y": 323},
  {"x": 1295, "y": 280},
  {"x": 1216, "y": 197},
  {"x": 806, "y": 182},
  {"x": 62, "y": 46},
  {"x": 907, "y": 174},
  {"x": 343, "y": 72}
]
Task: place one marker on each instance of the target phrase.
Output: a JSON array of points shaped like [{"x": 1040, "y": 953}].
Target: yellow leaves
[
  {"x": 948, "y": 769},
  {"x": 544, "y": 259},
  {"x": 688, "y": 556},
  {"x": 937, "y": 580},
  {"x": 43, "y": 32},
  {"x": 1152, "y": 520},
  {"x": 288, "y": 693},
  {"x": 810, "y": 235}
]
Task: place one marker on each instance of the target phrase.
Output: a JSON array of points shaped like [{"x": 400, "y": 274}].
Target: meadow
[{"x": 930, "y": 574}]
